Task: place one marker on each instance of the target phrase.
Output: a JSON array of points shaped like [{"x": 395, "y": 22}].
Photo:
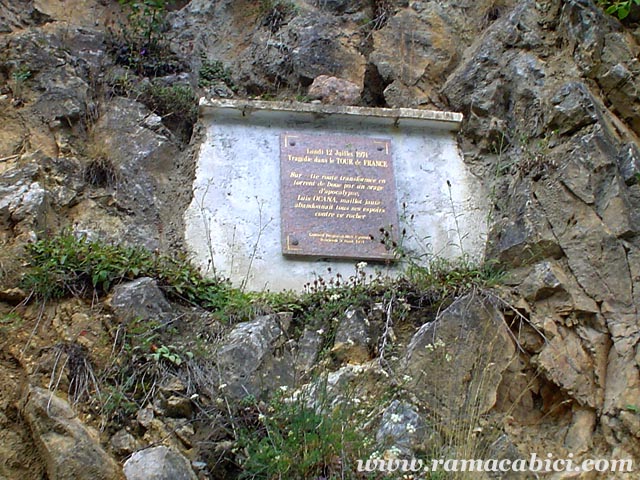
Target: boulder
[
  {"x": 353, "y": 342},
  {"x": 247, "y": 359},
  {"x": 70, "y": 449},
  {"x": 158, "y": 463},
  {"x": 455, "y": 363},
  {"x": 404, "y": 428},
  {"x": 334, "y": 91},
  {"x": 412, "y": 47},
  {"x": 140, "y": 300},
  {"x": 123, "y": 443},
  {"x": 308, "y": 349}
]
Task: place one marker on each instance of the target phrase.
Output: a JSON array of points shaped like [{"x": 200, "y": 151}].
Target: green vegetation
[
  {"x": 146, "y": 18},
  {"x": 66, "y": 265},
  {"x": 18, "y": 80},
  {"x": 177, "y": 105},
  {"x": 21, "y": 74},
  {"x": 213, "y": 72},
  {"x": 619, "y": 8},
  {"x": 140, "y": 43},
  {"x": 296, "y": 440},
  {"x": 169, "y": 354}
]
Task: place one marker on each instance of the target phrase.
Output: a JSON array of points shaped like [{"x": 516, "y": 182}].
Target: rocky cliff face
[{"x": 94, "y": 136}]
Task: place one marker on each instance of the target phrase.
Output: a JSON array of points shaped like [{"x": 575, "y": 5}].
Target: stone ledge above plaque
[
  {"x": 243, "y": 222},
  {"x": 337, "y": 193}
]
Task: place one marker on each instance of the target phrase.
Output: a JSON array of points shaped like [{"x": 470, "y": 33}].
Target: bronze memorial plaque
[{"x": 336, "y": 193}]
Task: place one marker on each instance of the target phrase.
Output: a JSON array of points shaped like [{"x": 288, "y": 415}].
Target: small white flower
[
  {"x": 395, "y": 418},
  {"x": 411, "y": 429},
  {"x": 447, "y": 357},
  {"x": 261, "y": 417},
  {"x": 334, "y": 297},
  {"x": 361, "y": 265},
  {"x": 320, "y": 332},
  {"x": 284, "y": 388},
  {"x": 222, "y": 386}
]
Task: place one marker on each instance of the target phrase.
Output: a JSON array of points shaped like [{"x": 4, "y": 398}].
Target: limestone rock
[
  {"x": 353, "y": 338},
  {"x": 158, "y": 463},
  {"x": 70, "y": 449},
  {"x": 309, "y": 346},
  {"x": 413, "y": 47},
  {"x": 524, "y": 237},
  {"x": 402, "y": 427},
  {"x": 567, "y": 362},
  {"x": 178, "y": 407},
  {"x": 145, "y": 416},
  {"x": 399, "y": 95},
  {"x": 321, "y": 48},
  {"x": 545, "y": 279},
  {"x": 457, "y": 361},
  {"x": 123, "y": 443},
  {"x": 579, "y": 437},
  {"x": 140, "y": 300},
  {"x": 146, "y": 162},
  {"x": 23, "y": 199},
  {"x": 573, "y": 108},
  {"x": 595, "y": 256},
  {"x": 247, "y": 362},
  {"x": 334, "y": 91}
]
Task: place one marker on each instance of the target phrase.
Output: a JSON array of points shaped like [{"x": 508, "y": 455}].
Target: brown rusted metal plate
[{"x": 337, "y": 192}]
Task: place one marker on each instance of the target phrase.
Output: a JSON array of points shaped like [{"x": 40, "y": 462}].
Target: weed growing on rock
[
  {"x": 177, "y": 105},
  {"x": 140, "y": 43},
  {"x": 212, "y": 72},
  {"x": 66, "y": 265},
  {"x": 18, "y": 81},
  {"x": 296, "y": 440},
  {"x": 101, "y": 172},
  {"x": 619, "y": 8}
]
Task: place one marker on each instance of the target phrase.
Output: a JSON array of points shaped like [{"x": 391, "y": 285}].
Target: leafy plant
[
  {"x": 213, "y": 72},
  {"x": 21, "y": 74},
  {"x": 177, "y": 105},
  {"x": 146, "y": 18},
  {"x": 66, "y": 265},
  {"x": 297, "y": 441},
  {"x": 169, "y": 354},
  {"x": 140, "y": 43},
  {"x": 18, "y": 79},
  {"x": 619, "y": 8}
]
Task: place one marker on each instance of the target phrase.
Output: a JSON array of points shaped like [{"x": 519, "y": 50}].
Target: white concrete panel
[{"x": 233, "y": 223}]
